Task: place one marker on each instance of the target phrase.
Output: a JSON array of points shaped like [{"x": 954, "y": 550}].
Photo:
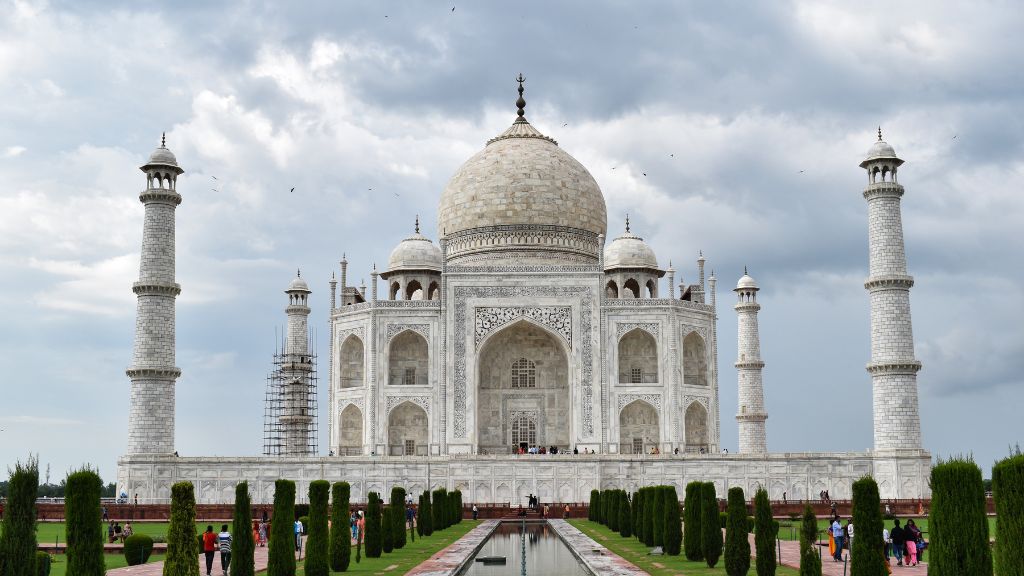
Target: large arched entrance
[
  {"x": 407, "y": 430},
  {"x": 523, "y": 394},
  {"x": 638, "y": 428},
  {"x": 408, "y": 360},
  {"x": 696, "y": 422},
  {"x": 638, "y": 358},
  {"x": 352, "y": 362},
  {"x": 350, "y": 431},
  {"x": 695, "y": 361}
]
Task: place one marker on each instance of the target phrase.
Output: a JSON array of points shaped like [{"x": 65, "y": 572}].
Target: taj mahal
[{"x": 529, "y": 350}]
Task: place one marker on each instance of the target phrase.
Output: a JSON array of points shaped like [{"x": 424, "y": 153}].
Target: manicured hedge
[
  {"x": 1008, "y": 491},
  {"x": 737, "y": 546},
  {"x": 43, "y": 561},
  {"x": 958, "y": 526},
  {"x": 673, "y": 523},
  {"x": 182, "y": 539},
  {"x": 387, "y": 534},
  {"x": 137, "y": 549},
  {"x": 625, "y": 517},
  {"x": 398, "y": 518},
  {"x": 595, "y": 503},
  {"x": 341, "y": 531},
  {"x": 765, "y": 529},
  {"x": 865, "y": 559},
  {"x": 83, "y": 534},
  {"x": 317, "y": 546},
  {"x": 19, "y": 520},
  {"x": 649, "y": 516},
  {"x": 711, "y": 534},
  {"x": 810, "y": 560},
  {"x": 282, "y": 533},
  {"x": 374, "y": 537},
  {"x": 243, "y": 547},
  {"x": 691, "y": 527}
]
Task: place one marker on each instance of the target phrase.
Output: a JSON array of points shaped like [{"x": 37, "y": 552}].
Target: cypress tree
[
  {"x": 83, "y": 534},
  {"x": 387, "y": 534},
  {"x": 1008, "y": 491},
  {"x": 458, "y": 506},
  {"x": 182, "y": 540},
  {"x": 613, "y": 511},
  {"x": 19, "y": 522},
  {"x": 243, "y": 548},
  {"x": 958, "y": 526},
  {"x": 341, "y": 532},
  {"x": 866, "y": 557},
  {"x": 641, "y": 511},
  {"x": 634, "y": 519},
  {"x": 374, "y": 538},
  {"x": 810, "y": 561},
  {"x": 737, "y": 546},
  {"x": 317, "y": 545},
  {"x": 711, "y": 532},
  {"x": 649, "y": 516},
  {"x": 625, "y": 517},
  {"x": 659, "y": 515},
  {"x": 398, "y": 517},
  {"x": 427, "y": 515},
  {"x": 281, "y": 561},
  {"x": 595, "y": 499},
  {"x": 439, "y": 507},
  {"x": 419, "y": 517},
  {"x": 764, "y": 534},
  {"x": 673, "y": 522},
  {"x": 692, "y": 532}
]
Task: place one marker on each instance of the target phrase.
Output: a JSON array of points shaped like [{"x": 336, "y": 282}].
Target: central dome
[{"x": 525, "y": 197}]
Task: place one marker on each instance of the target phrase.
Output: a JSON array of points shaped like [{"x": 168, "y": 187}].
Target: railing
[{"x": 399, "y": 450}]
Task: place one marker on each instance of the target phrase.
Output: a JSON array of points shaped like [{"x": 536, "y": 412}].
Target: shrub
[
  {"x": 659, "y": 515},
  {"x": 810, "y": 561},
  {"x": 281, "y": 561},
  {"x": 341, "y": 532},
  {"x": 673, "y": 523},
  {"x": 182, "y": 539},
  {"x": 83, "y": 535},
  {"x": 958, "y": 525},
  {"x": 374, "y": 538},
  {"x": 634, "y": 517},
  {"x": 737, "y": 546},
  {"x": 42, "y": 563},
  {"x": 866, "y": 558},
  {"x": 398, "y": 516},
  {"x": 387, "y": 534},
  {"x": 649, "y": 516},
  {"x": 19, "y": 520},
  {"x": 243, "y": 547},
  {"x": 437, "y": 508},
  {"x": 317, "y": 563},
  {"x": 304, "y": 520},
  {"x": 301, "y": 510},
  {"x": 613, "y": 510},
  {"x": 426, "y": 515},
  {"x": 765, "y": 529},
  {"x": 457, "y": 508},
  {"x": 638, "y": 512},
  {"x": 137, "y": 549},
  {"x": 692, "y": 532},
  {"x": 595, "y": 501},
  {"x": 1008, "y": 491},
  {"x": 625, "y": 517},
  {"x": 711, "y": 534}
]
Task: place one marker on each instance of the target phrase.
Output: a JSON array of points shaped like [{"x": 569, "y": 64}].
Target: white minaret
[
  {"x": 153, "y": 374},
  {"x": 751, "y": 414},
  {"x": 893, "y": 367},
  {"x": 296, "y": 369}
]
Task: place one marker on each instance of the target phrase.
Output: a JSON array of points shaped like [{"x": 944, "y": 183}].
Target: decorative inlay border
[
  {"x": 652, "y": 328},
  {"x": 355, "y": 401},
  {"x": 396, "y": 329},
  {"x": 358, "y": 331},
  {"x": 552, "y": 268},
  {"x": 690, "y": 399},
  {"x": 652, "y": 399},
  {"x": 702, "y": 331},
  {"x": 459, "y": 378},
  {"x": 530, "y": 415},
  {"x": 421, "y": 401},
  {"x": 491, "y": 318}
]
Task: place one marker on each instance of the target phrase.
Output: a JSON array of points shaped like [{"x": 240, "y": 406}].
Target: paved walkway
[
  {"x": 598, "y": 559},
  {"x": 791, "y": 558},
  {"x": 157, "y": 568},
  {"x": 451, "y": 559}
]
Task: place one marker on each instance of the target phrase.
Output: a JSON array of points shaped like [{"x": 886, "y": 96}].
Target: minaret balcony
[
  {"x": 889, "y": 282},
  {"x": 156, "y": 288},
  {"x": 883, "y": 190},
  {"x": 755, "y": 364},
  {"x": 909, "y": 366},
  {"x": 160, "y": 195}
]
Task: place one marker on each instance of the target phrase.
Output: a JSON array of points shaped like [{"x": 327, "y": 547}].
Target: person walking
[
  {"x": 353, "y": 523},
  {"x": 476, "y": 512},
  {"x": 410, "y": 515},
  {"x": 566, "y": 511},
  {"x": 837, "y": 535},
  {"x": 224, "y": 540},
  {"x": 914, "y": 541},
  {"x": 263, "y": 533},
  {"x": 886, "y": 544},
  {"x": 298, "y": 536},
  {"x": 849, "y": 534},
  {"x": 209, "y": 548},
  {"x": 106, "y": 516},
  {"x": 898, "y": 538}
]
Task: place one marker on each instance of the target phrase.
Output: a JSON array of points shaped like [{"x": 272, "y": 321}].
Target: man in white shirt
[
  {"x": 837, "y": 536},
  {"x": 886, "y": 543},
  {"x": 298, "y": 536}
]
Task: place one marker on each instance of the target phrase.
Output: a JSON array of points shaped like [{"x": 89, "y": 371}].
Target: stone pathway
[
  {"x": 157, "y": 568},
  {"x": 597, "y": 558},
  {"x": 450, "y": 560},
  {"x": 791, "y": 558}
]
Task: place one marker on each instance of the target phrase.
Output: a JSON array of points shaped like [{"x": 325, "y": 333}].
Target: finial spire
[
  {"x": 627, "y": 222},
  {"x": 879, "y": 133},
  {"x": 521, "y": 103},
  {"x": 163, "y": 139},
  {"x": 417, "y": 223},
  {"x": 298, "y": 272},
  {"x": 745, "y": 270}
]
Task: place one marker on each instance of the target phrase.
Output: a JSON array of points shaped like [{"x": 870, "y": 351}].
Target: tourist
[
  {"x": 676, "y": 451},
  {"x": 298, "y": 536},
  {"x": 224, "y": 539},
  {"x": 476, "y": 512},
  {"x": 575, "y": 450},
  {"x": 837, "y": 535},
  {"x": 886, "y": 544},
  {"x": 136, "y": 498},
  {"x": 544, "y": 511},
  {"x": 897, "y": 536},
  {"x": 209, "y": 548},
  {"x": 410, "y": 515},
  {"x": 265, "y": 518},
  {"x": 110, "y": 533},
  {"x": 360, "y": 526},
  {"x": 128, "y": 531},
  {"x": 849, "y": 534},
  {"x": 783, "y": 497},
  {"x": 263, "y": 533},
  {"x": 913, "y": 535},
  {"x": 106, "y": 517},
  {"x": 118, "y": 533},
  {"x": 353, "y": 523},
  {"x": 256, "y": 533}
]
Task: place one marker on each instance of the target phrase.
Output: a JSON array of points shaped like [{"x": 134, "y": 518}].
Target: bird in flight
[
  {"x": 214, "y": 177},
  {"x": 672, "y": 155},
  {"x": 564, "y": 125},
  {"x": 614, "y": 167},
  {"x": 396, "y": 194},
  {"x": 214, "y": 189},
  {"x": 954, "y": 136},
  {"x": 801, "y": 171},
  {"x": 453, "y": 8},
  {"x": 645, "y": 173},
  {"x": 292, "y": 190}
]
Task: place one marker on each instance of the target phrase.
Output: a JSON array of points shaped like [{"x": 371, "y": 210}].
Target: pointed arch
[
  {"x": 695, "y": 360},
  {"x": 414, "y": 290},
  {"x": 652, "y": 288},
  {"x": 408, "y": 430},
  {"x": 408, "y": 359},
  {"x": 611, "y": 290},
  {"x": 350, "y": 431},
  {"x": 638, "y": 357},
  {"x": 434, "y": 291},
  {"x": 639, "y": 429},
  {"x": 352, "y": 362},
  {"x": 394, "y": 291},
  {"x": 696, "y": 423},
  {"x": 631, "y": 289}
]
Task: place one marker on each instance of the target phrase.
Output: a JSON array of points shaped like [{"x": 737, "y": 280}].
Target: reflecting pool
[{"x": 545, "y": 553}]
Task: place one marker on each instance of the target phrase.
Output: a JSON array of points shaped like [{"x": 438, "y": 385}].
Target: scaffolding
[{"x": 290, "y": 406}]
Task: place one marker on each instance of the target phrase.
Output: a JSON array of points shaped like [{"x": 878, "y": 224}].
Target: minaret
[
  {"x": 893, "y": 367},
  {"x": 751, "y": 415},
  {"x": 296, "y": 365},
  {"x": 153, "y": 374}
]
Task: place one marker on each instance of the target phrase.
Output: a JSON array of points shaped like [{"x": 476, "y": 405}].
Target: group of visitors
[
  {"x": 823, "y": 496},
  {"x": 839, "y": 537},
  {"x": 118, "y": 533},
  {"x": 260, "y": 529},
  {"x": 357, "y": 523},
  {"x": 214, "y": 542},
  {"x": 906, "y": 542},
  {"x": 537, "y": 450}
]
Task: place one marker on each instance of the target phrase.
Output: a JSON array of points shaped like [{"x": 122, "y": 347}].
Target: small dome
[
  {"x": 298, "y": 285},
  {"x": 746, "y": 282},
  {"x": 881, "y": 150},
  {"x": 416, "y": 252},
  {"x": 629, "y": 251},
  {"x": 162, "y": 156}
]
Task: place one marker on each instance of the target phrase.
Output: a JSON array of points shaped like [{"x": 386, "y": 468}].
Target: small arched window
[{"x": 524, "y": 374}]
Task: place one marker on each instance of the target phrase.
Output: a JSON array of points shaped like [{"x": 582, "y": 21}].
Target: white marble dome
[
  {"x": 416, "y": 252},
  {"x": 629, "y": 251},
  {"x": 298, "y": 285},
  {"x": 746, "y": 282},
  {"x": 522, "y": 178},
  {"x": 163, "y": 156}
]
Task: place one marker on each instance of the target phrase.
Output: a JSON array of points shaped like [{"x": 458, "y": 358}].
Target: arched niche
[
  {"x": 696, "y": 423},
  {"x": 407, "y": 430},
  {"x": 695, "y": 360},
  {"x": 350, "y": 431},
  {"x": 414, "y": 290},
  {"x": 639, "y": 431},
  {"x": 631, "y": 289},
  {"x": 352, "y": 362},
  {"x": 408, "y": 360},
  {"x": 523, "y": 371},
  {"x": 611, "y": 290},
  {"x": 638, "y": 358}
]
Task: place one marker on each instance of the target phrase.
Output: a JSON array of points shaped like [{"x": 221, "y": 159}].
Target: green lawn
[
  {"x": 412, "y": 555},
  {"x": 49, "y": 532},
  {"x": 635, "y": 552},
  {"x": 58, "y": 567},
  {"x": 789, "y": 530}
]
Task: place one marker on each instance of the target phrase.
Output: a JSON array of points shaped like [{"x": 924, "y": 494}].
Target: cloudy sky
[{"x": 748, "y": 119}]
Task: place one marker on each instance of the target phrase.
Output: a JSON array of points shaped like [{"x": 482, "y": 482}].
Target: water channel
[{"x": 544, "y": 553}]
